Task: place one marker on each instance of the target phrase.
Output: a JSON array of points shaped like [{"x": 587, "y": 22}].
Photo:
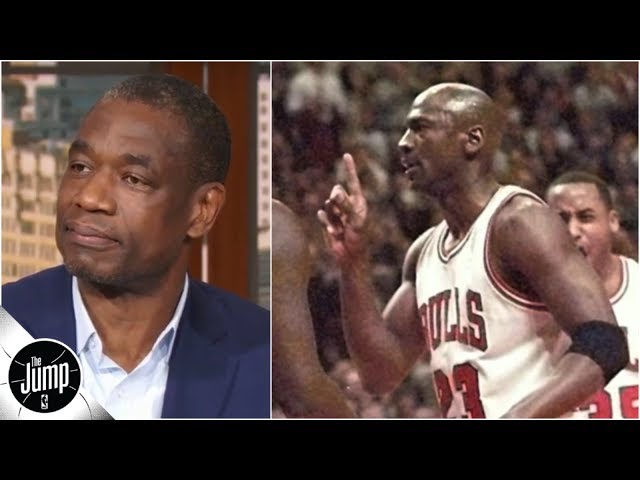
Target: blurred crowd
[{"x": 558, "y": 116}]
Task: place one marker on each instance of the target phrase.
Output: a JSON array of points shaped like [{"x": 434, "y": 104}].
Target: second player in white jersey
[
  {"x": 584, "y": 202},
  {"x": 619, "y": 399}
]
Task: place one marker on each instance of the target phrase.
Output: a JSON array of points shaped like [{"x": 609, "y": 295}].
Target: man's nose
[
  {"x": 406, "y": 143},
  {"x": 96, "y": 194},
  {"x": 575, "y": 229}
]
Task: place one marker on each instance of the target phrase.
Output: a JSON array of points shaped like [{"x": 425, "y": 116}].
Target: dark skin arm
[
  {"x": 384, "y": 347},
  {"x": 300, "y": 385},
  {"x": 530, "y": 248}
]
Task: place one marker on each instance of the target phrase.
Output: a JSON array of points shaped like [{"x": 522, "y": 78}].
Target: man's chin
[
  {"x": 94, "y": 275},
  {"x": 418, "y": 183}
]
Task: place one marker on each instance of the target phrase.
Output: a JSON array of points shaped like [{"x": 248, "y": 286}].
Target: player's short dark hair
[
  {"x": 208, "y": 147},
  {"x": 577, "y": 176}
]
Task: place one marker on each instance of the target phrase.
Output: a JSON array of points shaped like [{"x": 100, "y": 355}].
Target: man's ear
[
  {"x": 209, "y": 199},
  {"x": 474, "y": 140},
  {"x": 614, "y": 221}
]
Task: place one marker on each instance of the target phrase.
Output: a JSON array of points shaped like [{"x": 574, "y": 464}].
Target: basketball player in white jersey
[
  {"x": 486, "y": 293},
  {"x": 300, "y": 385},
  {"x": 584, "y": 203}
]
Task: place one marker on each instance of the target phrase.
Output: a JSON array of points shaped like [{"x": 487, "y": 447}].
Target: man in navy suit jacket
[{"x": 145, "y": 178}]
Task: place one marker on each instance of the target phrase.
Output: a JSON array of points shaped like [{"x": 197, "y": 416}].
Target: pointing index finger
[{"x": 353, "y": 182}]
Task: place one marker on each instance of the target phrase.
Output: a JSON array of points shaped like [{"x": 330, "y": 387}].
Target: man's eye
[
  {"x": 132, "y": 180},
  {"x": 78, "y": 167},
  {"x": 135, "y": 181}
]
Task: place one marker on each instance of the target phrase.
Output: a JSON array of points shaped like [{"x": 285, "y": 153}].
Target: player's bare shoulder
[
  {"x": 528, "y": 244},
  {"x": 289, "y": 238},
  {"x": 523, "y": 222},
  {"x": 518, "y": 212},
  {"x": 412, "y": 257},
  {"x": 283, "y": 215}
]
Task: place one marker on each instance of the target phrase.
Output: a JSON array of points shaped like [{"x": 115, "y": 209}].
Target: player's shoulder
[
  {"x": 517, "y": 202},
  {"x": 632, "y": 269},
  {"x": 284, "y": 217},
  {"x": 520, "y": 210},
  {"x": 280, "y": 209},
  {"x": 524, "y": 230},
  {"x": 289, "y": 239}
]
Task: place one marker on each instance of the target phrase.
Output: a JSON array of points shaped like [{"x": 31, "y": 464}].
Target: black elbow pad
[{"x": 604, "y": 343}]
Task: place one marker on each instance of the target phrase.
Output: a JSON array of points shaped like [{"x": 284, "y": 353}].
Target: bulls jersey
[
  {"x": 619, "y": 399},
  {"x": 490, "y": 345}
]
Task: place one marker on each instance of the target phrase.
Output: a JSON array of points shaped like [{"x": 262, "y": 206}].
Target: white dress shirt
[{"x": 135, "y": 395}]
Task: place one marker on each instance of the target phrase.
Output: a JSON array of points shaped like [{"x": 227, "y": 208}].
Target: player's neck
[
  {"x": 609, "y": 269},
  {"x": 462, "y": 206}
]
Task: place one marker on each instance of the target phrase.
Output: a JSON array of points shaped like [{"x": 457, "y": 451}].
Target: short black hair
[
  {"x": 209, "y": 145},
  {"x": 578, "y": 176}
]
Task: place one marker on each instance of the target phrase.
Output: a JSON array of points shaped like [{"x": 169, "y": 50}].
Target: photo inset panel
[{"x": 455, "y": 239}]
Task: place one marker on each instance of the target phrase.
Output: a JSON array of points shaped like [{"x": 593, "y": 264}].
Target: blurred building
[
  {"x": 50, "y": 107},
  {"x": 29, "y": 185}
]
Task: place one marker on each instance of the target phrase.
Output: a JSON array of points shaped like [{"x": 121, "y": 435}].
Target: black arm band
[{"x": 604, "y": 343}]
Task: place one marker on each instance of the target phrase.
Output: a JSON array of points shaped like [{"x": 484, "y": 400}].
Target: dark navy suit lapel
[
  {"x": 58, "y": 319},
  {"x": 201, "y": 368}
]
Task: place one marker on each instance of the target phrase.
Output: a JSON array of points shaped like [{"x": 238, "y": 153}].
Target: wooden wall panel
[{"x": 228, "y": 243}]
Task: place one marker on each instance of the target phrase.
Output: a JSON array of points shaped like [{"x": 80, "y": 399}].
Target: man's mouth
[
  {"x": 90, "y": 236},
  {"x": 408, "y": 166}
]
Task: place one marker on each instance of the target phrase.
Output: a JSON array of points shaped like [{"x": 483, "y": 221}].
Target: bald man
[
  {"x": 300, "y": 385},
  {"x": 485, "y": 294}
]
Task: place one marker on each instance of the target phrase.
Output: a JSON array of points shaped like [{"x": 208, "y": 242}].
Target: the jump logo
[{"x": 45, "y": 376}]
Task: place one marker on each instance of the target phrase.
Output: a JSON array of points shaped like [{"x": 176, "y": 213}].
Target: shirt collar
[{"x": 85, "y": 329}]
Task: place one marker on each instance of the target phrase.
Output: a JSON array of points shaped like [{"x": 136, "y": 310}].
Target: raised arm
[
  {"x": 532, "y": 248},
  {"x": 385, "y": 346},
  {"x": 300, "y": 385}
]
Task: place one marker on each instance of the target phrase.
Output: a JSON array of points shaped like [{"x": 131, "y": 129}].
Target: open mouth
[{"x": 582, "y": 250}]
